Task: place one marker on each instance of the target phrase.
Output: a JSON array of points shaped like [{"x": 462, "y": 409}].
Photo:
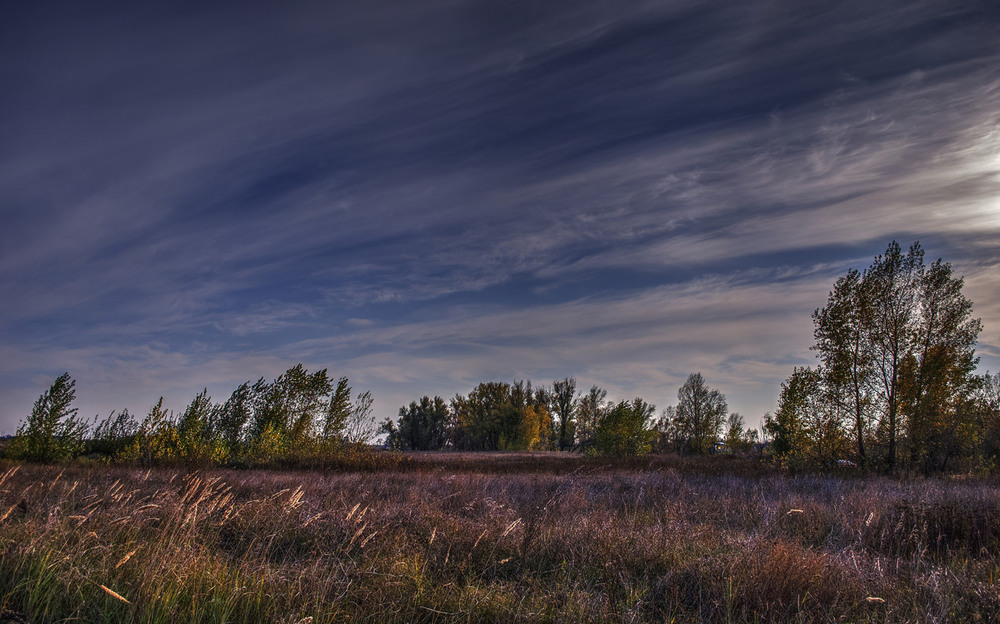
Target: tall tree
[
  {"x": 229, "y": 421},
  {"x": 338, "y": 411},
  {"x": 897, "y": 346},
  {"x": 487, "y": 419},
  {"x": 589, "y": 411},
  {"x": 564, "y": 402},
  {"x": 194, "y": 431},
  {"x": 940, "y": 368},
  {"x": 700, "y": 413},
  {"x": 893, "y": 281},
  {"x": 360, "y": 425},
  {"x": 842, "y": 332}
]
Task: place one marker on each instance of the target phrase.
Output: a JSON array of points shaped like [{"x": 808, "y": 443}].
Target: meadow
[{"x": 495, "y": 537}]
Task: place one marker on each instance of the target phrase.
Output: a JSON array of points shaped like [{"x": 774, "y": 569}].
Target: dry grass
[{"x": 443, "y": 541}]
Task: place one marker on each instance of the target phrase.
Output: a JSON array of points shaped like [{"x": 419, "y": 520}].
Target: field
[{"x": 531, "y": 538}]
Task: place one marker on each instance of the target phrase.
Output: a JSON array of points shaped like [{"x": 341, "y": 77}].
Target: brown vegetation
[{"x": 552, "y": 538}]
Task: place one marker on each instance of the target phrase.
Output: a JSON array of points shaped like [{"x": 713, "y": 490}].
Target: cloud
[{"x": 422, "y": 194}]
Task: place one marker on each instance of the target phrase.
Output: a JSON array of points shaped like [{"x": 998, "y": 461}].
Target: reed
[{"x": 604, "y": 543}]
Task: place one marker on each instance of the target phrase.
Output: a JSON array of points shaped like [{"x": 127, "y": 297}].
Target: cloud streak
[{"x": 426, "y": 194}]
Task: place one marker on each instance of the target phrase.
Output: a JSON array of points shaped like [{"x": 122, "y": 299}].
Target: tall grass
[{"x": 605, "y": 542}]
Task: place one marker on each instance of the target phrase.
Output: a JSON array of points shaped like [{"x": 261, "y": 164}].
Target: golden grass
[{"x": 605, "y": 543}]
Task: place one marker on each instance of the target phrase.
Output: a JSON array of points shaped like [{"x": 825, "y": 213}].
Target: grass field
[{"x": 520, "y": 537}]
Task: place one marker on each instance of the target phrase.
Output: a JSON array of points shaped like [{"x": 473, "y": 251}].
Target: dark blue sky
[{"x": 425, "y": 195}]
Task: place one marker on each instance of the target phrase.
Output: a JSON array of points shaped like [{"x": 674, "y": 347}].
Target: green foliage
[
  {"x": 338, "y": 411},
  {"x": 423, "y": 426},
  {"x": 196, "y": 440},
  {"x": 487, "y": 419},
  {"x": 590, "y": 411},
  {"x": 155, "y": 441},
  {"x": 230, "y": 420},
  {"x": 498, "y": 416},
  {"x": 52, "y": 432},
  {"x": 112, "y": 435},
  {"x": 626, "y": 429},
  {"x": 291, "y": 405},
  {"x": 806, "y": 429}
]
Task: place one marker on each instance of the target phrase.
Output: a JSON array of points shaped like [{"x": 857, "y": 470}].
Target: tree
[
  {"x": 153, "y": 440},
  {"x": 988, "y": 402},
  {"x": 699, "y": 414},
  {"x": 536, "y": 428},
  {"x": 488, "y": 419},
  {"x": 589, "y": 411},
  {"x": 229, "y": 422},
  {"x": 626, "y": 429},
  {"x": 113, "y": 434},
  {"x": 738, "y": 439},
  {"x": 194, "y": 429},
  {"x": 939, "y": 371},
  {"x": 286, "y": 412},
  {"x": 422, "y": 426},
  {"x": 564, "y": 402},
  {"x": 897, "y": 350},
  {"x": 842, "y": 331},
  {"x": 360, "y": 425},
  {"x": 806, "y": 427},
  {"x": 52, "y": 431},
  {"x": 339, "y": 410},
  {"x": 892, "y": 282}
]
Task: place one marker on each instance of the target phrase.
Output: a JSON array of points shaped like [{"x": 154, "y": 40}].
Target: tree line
[
  {"x": 896, "y": 387},
  {"x": 300, "y": 416},
  {"x": 497, "y": 416}
]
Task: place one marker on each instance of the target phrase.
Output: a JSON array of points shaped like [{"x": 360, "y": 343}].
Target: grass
[{"x": 521, "y": 537}]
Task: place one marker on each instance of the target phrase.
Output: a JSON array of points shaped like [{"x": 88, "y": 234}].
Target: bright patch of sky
[{"x": 422, "y": 196}]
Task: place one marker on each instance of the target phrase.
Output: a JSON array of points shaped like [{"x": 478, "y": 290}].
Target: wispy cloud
[{"x": 433, "y": 192}]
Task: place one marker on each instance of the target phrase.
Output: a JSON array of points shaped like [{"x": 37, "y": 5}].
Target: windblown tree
[
  {"x": 195, "y": 438},
  {"x": 231, "y": 418},
  {"x": 52, "y": 431},
  {"x": 287, "y": 412},
  {"x": 338, "y": 412}
]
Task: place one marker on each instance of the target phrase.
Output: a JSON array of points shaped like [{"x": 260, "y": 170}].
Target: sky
[{"x": 422, "y": 196}]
